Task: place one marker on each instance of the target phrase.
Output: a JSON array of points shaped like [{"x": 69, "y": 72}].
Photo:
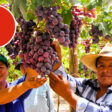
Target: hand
[
  {"x": 58, "y": 50},
  {"x": 31, "y": 79},
  {"x": 31, "y": 72},
  {"x": 34, "y": 82},
  {"x": 60, "y": 85}
]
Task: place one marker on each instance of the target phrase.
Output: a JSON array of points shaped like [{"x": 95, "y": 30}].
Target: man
[
  {"x": 12, "y": 98},
  {"x": 40, "y": 99},
  {"x": 87, "y": 95}
]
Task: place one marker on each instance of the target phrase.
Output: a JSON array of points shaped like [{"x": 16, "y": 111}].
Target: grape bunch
[
  {"x": 75, "y": 26},
  {"x": 13, "y": 47},
  {"x": 40, "y": 54},
  {"x": 27, "y": 29},
  {"x": 83, "y": 11},
  {"x": 96, "y": 33},
  {"x": 36, "y": 48},
  {"x": 85, "y": 70},
  {"x": 107, "y": 37},
  {"x": 87, "y": 45},
  {"x": 54, "y": 24}
]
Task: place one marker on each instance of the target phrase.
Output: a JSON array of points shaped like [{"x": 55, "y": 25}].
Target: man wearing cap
[
  {"x": 87, "y": 95},
  {"x": 40, "y": 99},
  {"x": 12, "y": 95}
]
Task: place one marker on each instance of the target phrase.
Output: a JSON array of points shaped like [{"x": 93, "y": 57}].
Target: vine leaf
[
  {"x": 10, "y": 1},
  {"x": 15, "y": 8},
  {"x": 18, "y": 5},
  {"x": 67, "y": 15},
  {"x": 23, "y": 7}
]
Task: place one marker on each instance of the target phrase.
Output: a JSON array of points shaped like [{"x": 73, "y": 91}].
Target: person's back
[{"x": 40, "y": 100}]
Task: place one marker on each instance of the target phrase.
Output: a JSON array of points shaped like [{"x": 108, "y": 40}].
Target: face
[
  {"x": 104, "y": 71},
  {"x": 3, "y": 71},
  {"x": 22, "y": 68}
]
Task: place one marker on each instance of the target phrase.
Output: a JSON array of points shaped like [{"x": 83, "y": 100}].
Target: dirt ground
[{"x": 63, "y": 107}]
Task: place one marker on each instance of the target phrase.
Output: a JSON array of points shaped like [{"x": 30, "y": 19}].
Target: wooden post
[{"x": 73, "y": 66}]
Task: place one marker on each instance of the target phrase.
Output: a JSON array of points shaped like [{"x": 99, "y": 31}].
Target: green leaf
[
  {"x": 34, "y": 4},
  {"x": 101, "y": 27},
  {"x": 99, "y": 2},
  {"x": 15, "y": 8},
  {"x": 30, "y": 16},
  {"x": 47, "y": 3},
  {"x": 67, "y": 15},
  {"x": 74, "y": 1},
  {"x": 23, "y": 7},
  {"x": 11, "y": 1},
  {"x": 44, "y": 3},
  {"x": 85, "y": 1},
  {"x": 98, "y": 9},
  {"x": 58, "y": 2},
  {"x": 91, "y": 6}
]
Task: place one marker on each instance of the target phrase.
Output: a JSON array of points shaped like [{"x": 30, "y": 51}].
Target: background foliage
[{"x": 103, "y": 20}]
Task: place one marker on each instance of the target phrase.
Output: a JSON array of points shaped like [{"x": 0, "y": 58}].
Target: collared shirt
[
  {"x": 87, "y": 90},
  {"x": 40, "y": 100},
  {"x": 18, "y": 104}
]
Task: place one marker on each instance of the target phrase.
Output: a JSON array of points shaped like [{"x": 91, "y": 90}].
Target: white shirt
[{"x": 39, "y": 100}]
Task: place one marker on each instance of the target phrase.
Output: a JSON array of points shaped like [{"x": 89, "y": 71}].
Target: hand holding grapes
[
  {"x": 31, "y": 79},
  {"x": 58, "y": 50}
]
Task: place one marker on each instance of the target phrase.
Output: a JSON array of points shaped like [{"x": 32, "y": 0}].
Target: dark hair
[
  {"x": 97, "y": 59},
  {"x": 4, "y": 60}
]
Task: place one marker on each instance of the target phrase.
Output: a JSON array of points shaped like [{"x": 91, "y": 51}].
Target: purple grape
[
  {"x": 38, "y": 39},
  {"x": 35, "y": 47},
  {"x": 39, "y": 65},
  {"x": 40, "y": 51},
  {"x": 43, "y": 69},
  {"x": 54, "y": 23},
  {"x": 75, "y": 26},
  {"x": 95, "y": 32},
  {"x": 46, "y": 54},
  {"x": 41, "y": 59},
  {"x": 48, "y": 65},
  {"x": 61, "y": 39},
  {"x": 46, "y": 60}
]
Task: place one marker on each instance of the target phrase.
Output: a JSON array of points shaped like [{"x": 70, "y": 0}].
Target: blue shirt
[
  {"x": 87, "y": 90},
  {"x": 18, "y": 104}
]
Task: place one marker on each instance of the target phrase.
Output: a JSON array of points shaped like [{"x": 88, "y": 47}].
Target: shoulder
[
  {"x": 93, "y": 83},
  {"x": 19, "y": 80}
]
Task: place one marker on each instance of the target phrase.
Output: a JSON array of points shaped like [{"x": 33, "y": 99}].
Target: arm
[
  {"x": 26, "y": 94},
  {"x": 11, "y": 93},
  {"x": 61, "y": 86},
  {"x": 83, "y": 105},
  {"x": 75, "y": 83}
]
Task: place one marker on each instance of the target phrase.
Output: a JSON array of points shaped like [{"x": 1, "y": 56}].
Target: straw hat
[{"x": 90, "y": 59}]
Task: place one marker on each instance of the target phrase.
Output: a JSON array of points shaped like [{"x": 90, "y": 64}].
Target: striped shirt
[{"x": 87, "y": 90}]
